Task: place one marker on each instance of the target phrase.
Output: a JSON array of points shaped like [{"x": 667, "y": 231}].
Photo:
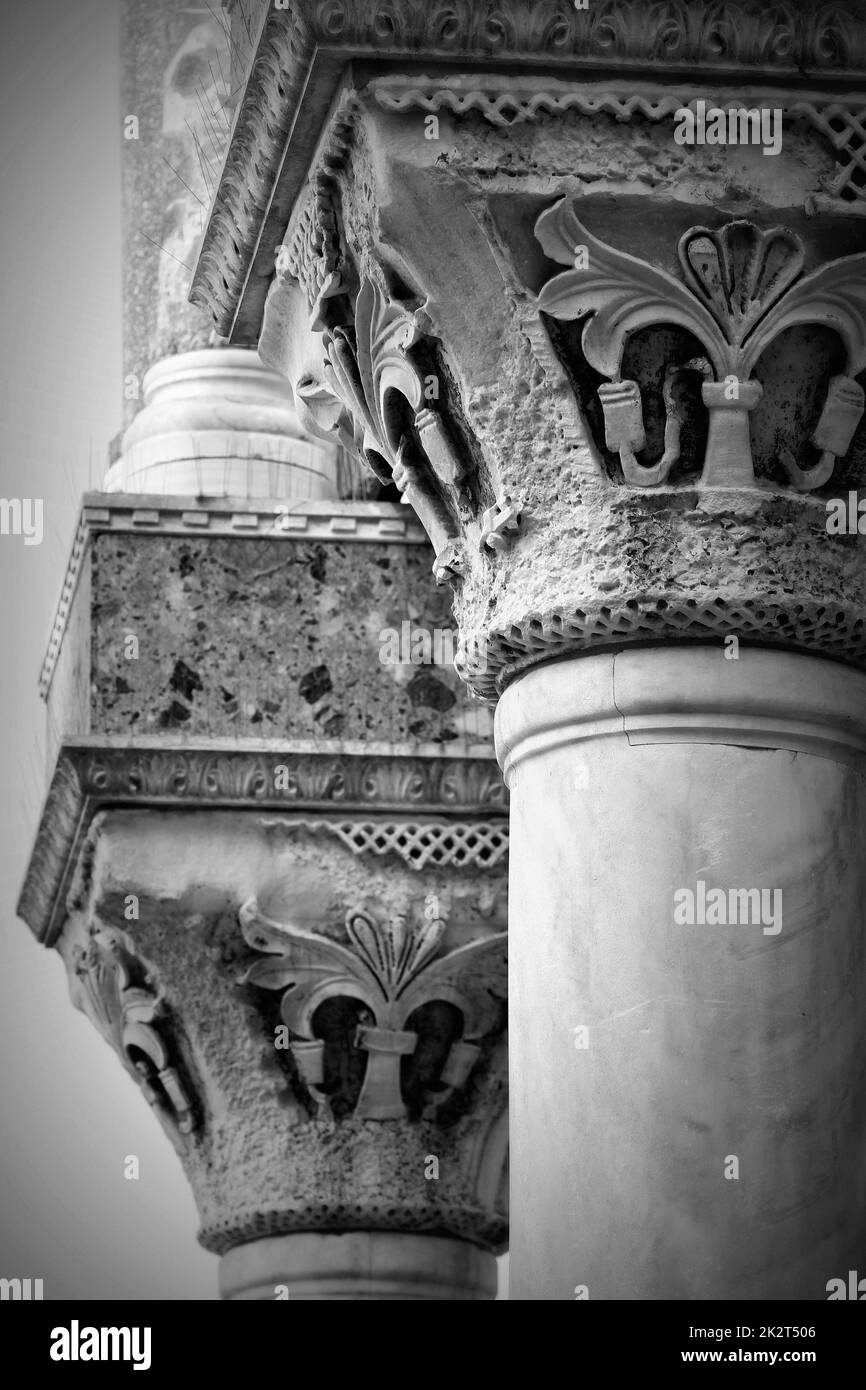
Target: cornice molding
[
  {"x": 303, "y": 49},
  {"x": 93, "y": 774}
]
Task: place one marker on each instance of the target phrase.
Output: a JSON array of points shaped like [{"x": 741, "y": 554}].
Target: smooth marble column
[
  {"x": 688, "y": 1102},
  {"x": 358, "y": 1265},
  {"x": 218, "y": 423}
]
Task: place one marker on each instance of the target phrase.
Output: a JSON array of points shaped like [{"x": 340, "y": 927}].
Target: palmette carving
[
  {"x": 111, "y": 986},
  {"x": 742, "y": 289},
  {"x": 388, "y": 967},
  {"x": 370, "y": 381}
]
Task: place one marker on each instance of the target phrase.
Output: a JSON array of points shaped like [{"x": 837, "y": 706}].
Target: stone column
[
  {"x": 316, "y": 1021},
  {"x": 687, "y": 963},
  {"x": 273, "y": 859},
  {"x": 217, "y": 423},
  {"x": 273, "y": 853},
  {"x": 616, "y": 369},
  {"x": 201, "y": 420}
]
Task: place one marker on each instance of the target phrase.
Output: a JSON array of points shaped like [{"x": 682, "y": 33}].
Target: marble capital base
[
  {"x": 688, "y": 1099},
  {"x": 357, "y": 1265}
]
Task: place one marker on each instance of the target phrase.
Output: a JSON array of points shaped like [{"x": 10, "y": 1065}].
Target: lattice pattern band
[{"x": 422, "y": 844}]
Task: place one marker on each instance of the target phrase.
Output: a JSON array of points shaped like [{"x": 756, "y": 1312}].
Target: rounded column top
[
  {"x": 217, "y": 422},
  {"x": 765, "y": 698}
]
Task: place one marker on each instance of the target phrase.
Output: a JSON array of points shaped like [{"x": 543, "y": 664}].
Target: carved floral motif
[
  {"x": 390, "y": 968},
  {"x": 110, "y": 985},
  {"x": 743, "y": 287},
  {"x": 370, "y": 382}
]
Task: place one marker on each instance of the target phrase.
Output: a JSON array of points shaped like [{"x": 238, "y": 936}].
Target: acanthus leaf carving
[
  {"x": 111, "y": 986},
  {"x": 369, "y": 381},
  {"x": 389, "y": 968},
  {"x": 742, "y": 290},
  {"x": 618, "y": 291}
]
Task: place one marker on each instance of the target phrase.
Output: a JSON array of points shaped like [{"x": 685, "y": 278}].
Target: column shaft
[{"x": 698, "y": 1082}]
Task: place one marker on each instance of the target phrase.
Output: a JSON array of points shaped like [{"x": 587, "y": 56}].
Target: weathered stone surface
[
  {"x": 597, "y": 560},
  {"x": 619, "y": 378},
  {"x": 425, "y": 252},
  {"x": 424, "y": 804},
  {"x": 263, "y": 1157},
  {"x": 175, "y": 83},
  {"x": 268, "y": 635},
  {"x": 640, "y": 40}
]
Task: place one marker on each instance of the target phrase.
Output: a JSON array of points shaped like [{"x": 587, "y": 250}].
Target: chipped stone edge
[{"x": 96, "y": 773}]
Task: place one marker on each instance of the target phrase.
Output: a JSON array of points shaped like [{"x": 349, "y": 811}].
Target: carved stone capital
[
  {"x": 305, "y": 44},
  {"x": 321, "y": 1031},
  {"x": 617, "y": 375},
  {"x": 387, "y": 968}
]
